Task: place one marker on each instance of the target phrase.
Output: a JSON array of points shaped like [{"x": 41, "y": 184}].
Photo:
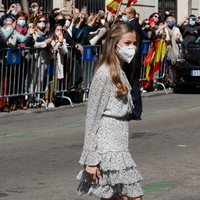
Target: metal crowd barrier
[
  {"x": 23, "y": 73},
  {"x": 33, "y": 73}
]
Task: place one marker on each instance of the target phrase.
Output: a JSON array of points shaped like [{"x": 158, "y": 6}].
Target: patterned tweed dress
[{"x": 106, "y": 141}]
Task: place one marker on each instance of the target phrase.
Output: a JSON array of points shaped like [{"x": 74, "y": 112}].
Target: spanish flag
[
  {"x": 154, "y": 60},
  {"x": 131, "y": 2},
  {"x": 113, "y": 6}
]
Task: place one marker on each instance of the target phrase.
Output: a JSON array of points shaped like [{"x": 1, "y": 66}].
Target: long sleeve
[
  {"x": 64, "y": 49},
  {"x": 2, "y": 38},
  {"x": 97, "y": 102},
  {"x": 42, "y": 44},
  {"x": 18, "y": 38},
  {"x": 8, "y": 33},
  {"x": 69, "y": 39},
  {"x": 22, "y": 38}
]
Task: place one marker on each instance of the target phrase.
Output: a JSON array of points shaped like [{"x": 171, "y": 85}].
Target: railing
[
  {"x": 35, "y": 74},
  {"x": 157, "y": 60}
]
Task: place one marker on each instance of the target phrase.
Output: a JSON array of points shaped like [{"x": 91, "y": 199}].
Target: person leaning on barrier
[
  {"x": 3, "y": 83},
  {"x": 69, "y": 23},
  {"x": 59, "y": 49},
  {"x": 41, "y": 32},
  {"x": 68, "y": 36},
  {"x": 43, "y": 58},
  {"x": 19, "y": 34},
  {"x": 5, "y": 32},
  {"x": 60, "y": 19},
  {"x": 71, "y": 42}
]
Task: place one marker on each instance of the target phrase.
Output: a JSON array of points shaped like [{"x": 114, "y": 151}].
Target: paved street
[{"x": 39, "y": 152}]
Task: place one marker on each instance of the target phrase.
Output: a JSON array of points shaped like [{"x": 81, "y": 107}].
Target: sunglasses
[
  {"x": 147, "y": 23},
  {"x": 33, "y": 6},
  {"x": 156, "y": 16},
  {"x": 40, "y": 21}
]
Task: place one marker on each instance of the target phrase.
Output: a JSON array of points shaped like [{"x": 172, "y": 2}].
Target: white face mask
[
  {"x": 41, "y": 25},
  {"x": 14, "y": 12},
  {"x": 124, "y": 18},
  {"x": 192, "y": 22},
  {"x": 35, "y": 9},
  {"x": 57, "y": 33},
  {"x": 126, "y": 53},
  {"x": 155, "y": 19},
  {"x": 67, "y": 23},
  {"x": 103, "y": 22},
  {"x": 21, "y": 22}
]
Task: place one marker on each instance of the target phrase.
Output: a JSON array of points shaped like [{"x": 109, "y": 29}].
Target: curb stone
[{"x": 41, "y": 110}]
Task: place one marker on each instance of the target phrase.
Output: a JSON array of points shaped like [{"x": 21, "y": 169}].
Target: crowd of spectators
[
  {"x": 51, "y": 33},
  {"x": 77, "y": 27},
  {"x": 177, "y": 36}
]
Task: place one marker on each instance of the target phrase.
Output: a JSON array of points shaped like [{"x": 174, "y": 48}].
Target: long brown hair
[{"x": 109, "y": 56}]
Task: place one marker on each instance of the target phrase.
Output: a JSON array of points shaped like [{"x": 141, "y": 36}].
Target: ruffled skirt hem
[{"x": 120, "y": 182}]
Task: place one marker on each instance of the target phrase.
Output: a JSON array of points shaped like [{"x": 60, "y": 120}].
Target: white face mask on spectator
[
  {"x": 21, "y": 22},
  {"x": 124, "y": 18},
  {"x": 67, "y": 23},
  {"x": 14, "y": 12},
  {"x": 57, "y": 33},
  {"x": 41, "y": 25},
  {"x": 103, "y": 22},
  {"x": 34, "y": 9},
  {"x": 192, "y": 22}
]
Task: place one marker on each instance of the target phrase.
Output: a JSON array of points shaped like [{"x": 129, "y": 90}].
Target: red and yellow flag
[
  {"x": 154, "y": 60},
  {"x": 113, "y": 6},
  {"x": 131, "y": 2}
]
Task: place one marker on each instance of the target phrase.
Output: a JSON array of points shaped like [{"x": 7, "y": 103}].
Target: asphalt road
[{"x": 39, "y": 152}]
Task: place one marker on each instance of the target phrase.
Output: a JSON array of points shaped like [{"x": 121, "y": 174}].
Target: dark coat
[{"x": 132, "y": 70}]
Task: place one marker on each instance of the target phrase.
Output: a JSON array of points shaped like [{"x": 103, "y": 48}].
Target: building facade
[{"x": 181, "y": 8}]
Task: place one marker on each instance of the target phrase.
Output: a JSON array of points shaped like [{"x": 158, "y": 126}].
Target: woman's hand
[
  {"x": 49, "y": 40},
  {"x": 79, "y": 47},
  {"x": 31, "y": 30},
  {"x": 60, "y": 38},
  {"x": 93, "y": 171}
]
